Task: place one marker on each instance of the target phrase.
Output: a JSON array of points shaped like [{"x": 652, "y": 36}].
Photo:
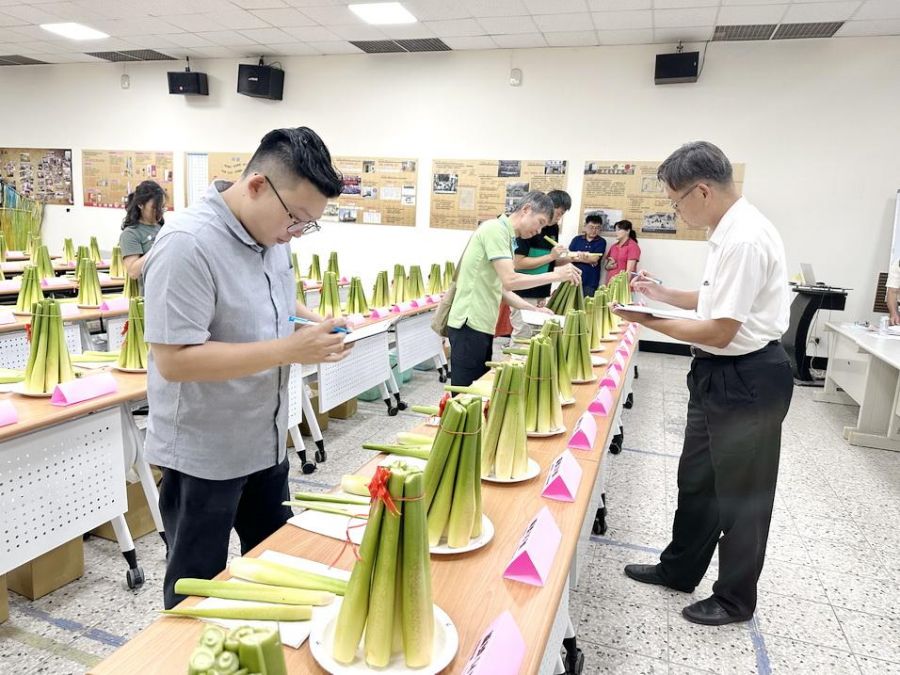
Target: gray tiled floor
[{"x": 829, "y": 594}]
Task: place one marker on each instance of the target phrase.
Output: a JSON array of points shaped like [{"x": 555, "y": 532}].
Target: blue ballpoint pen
[
  {"x": 307, "y": 322},
  {"x": 644, "y": 276}
]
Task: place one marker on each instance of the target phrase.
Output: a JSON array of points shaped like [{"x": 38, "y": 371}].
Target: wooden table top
[
  {"x": 83, "y": 315},
  {"x": 39, "y": 413},
  {"x": 16, "y": 256},
  {"x": 469, "y": 587},
  {"x": 17, "y": 266},
  {"x": 9, "y": 290}
]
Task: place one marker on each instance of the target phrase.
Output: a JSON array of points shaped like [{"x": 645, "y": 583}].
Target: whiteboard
[{"x": 197, "y": 176}]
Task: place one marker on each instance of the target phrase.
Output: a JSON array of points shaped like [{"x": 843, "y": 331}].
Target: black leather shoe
[
  {"x": 710, "y": 613},
  {"x": 648, "y": 574}
]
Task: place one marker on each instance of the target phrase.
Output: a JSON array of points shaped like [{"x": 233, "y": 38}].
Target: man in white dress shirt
[{"x": 740, "y": 388}]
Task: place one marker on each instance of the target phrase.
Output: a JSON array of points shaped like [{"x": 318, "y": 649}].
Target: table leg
[
  {"x": 135, "y": 575},
  {"x": 313, "y": 424}
]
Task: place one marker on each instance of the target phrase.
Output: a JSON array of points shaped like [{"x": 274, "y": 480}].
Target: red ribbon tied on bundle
[
  {"x": 125, "y": 327},
  {"x": 378, "y": 489},
  {"x": 28, "y": 332}
]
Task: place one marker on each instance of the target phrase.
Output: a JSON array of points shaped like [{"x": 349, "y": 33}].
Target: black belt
[{"x": 698, "y": 353}]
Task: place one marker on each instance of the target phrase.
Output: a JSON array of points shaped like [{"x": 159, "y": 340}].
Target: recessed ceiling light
[
  {"x": 383, "y": 13},
  {"x": 74, "y": 31}
]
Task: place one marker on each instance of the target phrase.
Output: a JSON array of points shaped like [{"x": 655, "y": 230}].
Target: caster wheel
[
  {"x": 135, "y": 578},
  {"x": 442, "y": 378},
  {"x": 392, "y": 412},
  {"x": 629, "y": 402},
  {"x": 320, "y": 456},
  {"x": 307, "y": 467},
  {"x": 401, "y": 405},
  {"x": 614, "y": 448},
  {"x": 577, "y": 667}
]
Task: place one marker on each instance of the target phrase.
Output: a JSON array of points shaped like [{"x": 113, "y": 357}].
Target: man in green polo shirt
[{"x": 487, "y": 275}]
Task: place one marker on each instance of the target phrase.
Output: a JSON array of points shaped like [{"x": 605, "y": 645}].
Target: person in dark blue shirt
[{"x": 593, "y": 246}]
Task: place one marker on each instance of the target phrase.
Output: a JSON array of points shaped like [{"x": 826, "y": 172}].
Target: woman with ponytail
[
  {"x": 625, "y": 253},
  {"x": 144, "y": 211}
]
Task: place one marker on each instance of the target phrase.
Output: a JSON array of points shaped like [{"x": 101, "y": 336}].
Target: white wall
[{"x": 815, "y": 121}]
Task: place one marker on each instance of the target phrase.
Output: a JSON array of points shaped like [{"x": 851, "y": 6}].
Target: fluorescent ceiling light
[
  {"x": 383, "y": 13},
  {"x": 74, "y": 31}
]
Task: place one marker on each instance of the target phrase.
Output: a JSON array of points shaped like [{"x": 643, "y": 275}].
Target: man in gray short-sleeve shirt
[{"x": 220, "y": 291}]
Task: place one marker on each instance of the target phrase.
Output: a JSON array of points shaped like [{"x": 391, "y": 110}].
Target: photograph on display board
[
  {"x": 619, "y": 190},
  {"x": 39, "y": 173},
  {"x": 466, "y": 192},
  {"x": 110, "y": 175},
  {"x": 376, "y": 191}
]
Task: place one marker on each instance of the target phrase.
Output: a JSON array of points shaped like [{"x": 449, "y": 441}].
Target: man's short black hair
[
  {"x": 594, "y": 219},
  {"x": 298, "y": 153},
  {"x": 561, "y": 199}
]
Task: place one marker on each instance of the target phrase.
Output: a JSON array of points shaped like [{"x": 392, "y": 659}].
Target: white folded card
[
  {"x": 662, "y": 313},
  {"x": 540, "y": 318}
]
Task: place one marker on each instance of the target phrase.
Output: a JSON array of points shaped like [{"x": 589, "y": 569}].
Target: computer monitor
[{"x": 809, "y": 277}]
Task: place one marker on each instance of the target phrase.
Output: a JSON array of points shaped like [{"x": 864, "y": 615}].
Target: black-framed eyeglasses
[
  {"x": 297, "y": 225},
  {"x": 676, "y": 203}
]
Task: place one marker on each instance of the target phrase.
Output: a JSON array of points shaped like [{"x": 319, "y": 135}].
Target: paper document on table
[
  {"x": 367, "y": 331},
  {"x": 661, "y": 313},
  {"x": 540, "y": 318}
]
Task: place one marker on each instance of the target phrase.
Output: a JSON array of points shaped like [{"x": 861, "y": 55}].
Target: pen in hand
[
  {"x": 307, "y": 322},
  {"x": 644, "y": 276}
]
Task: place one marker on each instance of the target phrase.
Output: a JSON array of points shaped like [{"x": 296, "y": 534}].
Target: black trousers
[
  {"x": 469, "y": 350},
  {"x": 727, "y": 473},
  {"x": 198, "y": 515}
]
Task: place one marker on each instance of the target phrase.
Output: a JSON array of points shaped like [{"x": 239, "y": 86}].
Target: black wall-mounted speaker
[
  {"x": 260, "y": 81},
  {"x": 188, "y": 83},
  {"x": 675, "y": 68}
]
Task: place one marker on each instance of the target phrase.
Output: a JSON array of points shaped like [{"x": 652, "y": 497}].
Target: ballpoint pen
[
  {"x": 307, "y": 322},
  {"x": 644, "y": 276}
]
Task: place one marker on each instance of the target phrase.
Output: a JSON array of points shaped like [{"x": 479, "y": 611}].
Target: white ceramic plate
[
  {"x": 546, "y": 434},
  {"x": 598, "y": 361},
  {"x": 591, "y": 379},
  {"x": 19, "y": 388},
  {"x": 321, "y": 643},
  {"x": 533, "y": 470},
  {"x": 609, "y": 339},
  {"x": 487, "y": 533},
  {"x": 567, "y": 401},
  {"x": 128, "y": 370}
]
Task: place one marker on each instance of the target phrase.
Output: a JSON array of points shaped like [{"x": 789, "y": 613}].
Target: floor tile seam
[
  {"x": 91, "y": 631},
  {"x": 50, "y": 647}
]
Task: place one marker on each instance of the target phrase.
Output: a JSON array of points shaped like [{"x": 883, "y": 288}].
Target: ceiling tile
[
  {"x": 555, "y": 6},
  {"x": 226, "y": 38},
  {"x": 625, "y": 37},
  {"x": 286, "y": 16},
  {"x": 618, "y": 5},
  {"x": 158, "y": 42},
  {"x": 520, "y": 41},
  {"x": 817, "y": 12},
  {"x": 331, "y": 16},
  {"x": 108, "y": 45},
  {"x": 750, "y": 14},
  {"x": 862, "y": 28},
  {"x": 358, "y": 32},
  {"x": 266, "y": 35},
  {"x": 507, "y": 25},
  {"x": 678, "y": 18},
  {"x": 292, "y": 49},
  {"x": 188, "y": 40},
  {"x": 144, "y": 26},
  {"x": 238, "y": 19},
  {"x": 682, "y": 4},
  {"x": 30, "y": 14},
  {"x": 878, "y": 9},
  {"x": 749, "y": 2},
  {"x": 167, "y": 7},
  {"x": 194, "y": 23},
  {"x": 43, "y": 47},
  {"x": 456, "y": 28},
  {"x": 623, "y": 20},
  {"x": 69, "y": 11},
  {"x": 119, "y": 9},
  {"x": 312, "y": 33},
  {"x": 410, "y": 31},
  {"x": 686, "y": 34},
  {"x": 73, "y": 57},
  {"x": 335, "y": 47},
  {"x": 259, "y": 4},
  {"x": 32, "y": 33},
  {"x": 436, "y": 10},
  {"x": 480, "y": 8},
  {"x": 13, "y": 36},
  {"x": 479, "y": 42},
  {"x": 578, "y": 38},
  {"x": 561, "y": 23},
  {"x": 7, "y": 20}
]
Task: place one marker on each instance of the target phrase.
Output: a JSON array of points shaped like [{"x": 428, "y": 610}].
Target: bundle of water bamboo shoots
[
  {"x": 133, "y": 353},
  {"x": 576, "y": 345},
  {"x": 81, "y": 254},
  {"x": 553, "y": 331},
  {"x": 543, "y": 407},
  {"x": 68, "y": 251},
  {"x": 132, "y": 287},
  {"x": 89, "y": 293},
  {"x": 333, "y": 264},
  {"x": 453, "y": 475},
  {"x": 504, "y": 453},
  {"x": 593, "y": 313},
  {"x": 3, "y": 248},
  {"x": 116, "y": 264},
  {"x": 48, "y": 357},
  {"x": 398, "y": 285},
  {"x": 435, "y": 281},
  {"x": 95, "y": 251},
  {"x": 329, "y": 296},
  {"x": 388, "y": 604},
  {"x": 620, "y": 289},
  {"x": 239, "y": 651},
  {"x": 567, "y": 296},
  {"x": 30, "y": 290},
  {"x": 34, "y": 242},
  {"x": 315, "y": 272},
  {"x": 295, "y": 263},
  {"x": 301, "y": 292},
  {"x": 40, "y": 258},
  {"x": 449, "y": 273},
  {"x": 601, "y": 305},
  {"x": 381, "y": 293},
  {"x": 415, "y": 288},
  {"x": 356, "y": 298},
  {"x": 2, "y": 276}
]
